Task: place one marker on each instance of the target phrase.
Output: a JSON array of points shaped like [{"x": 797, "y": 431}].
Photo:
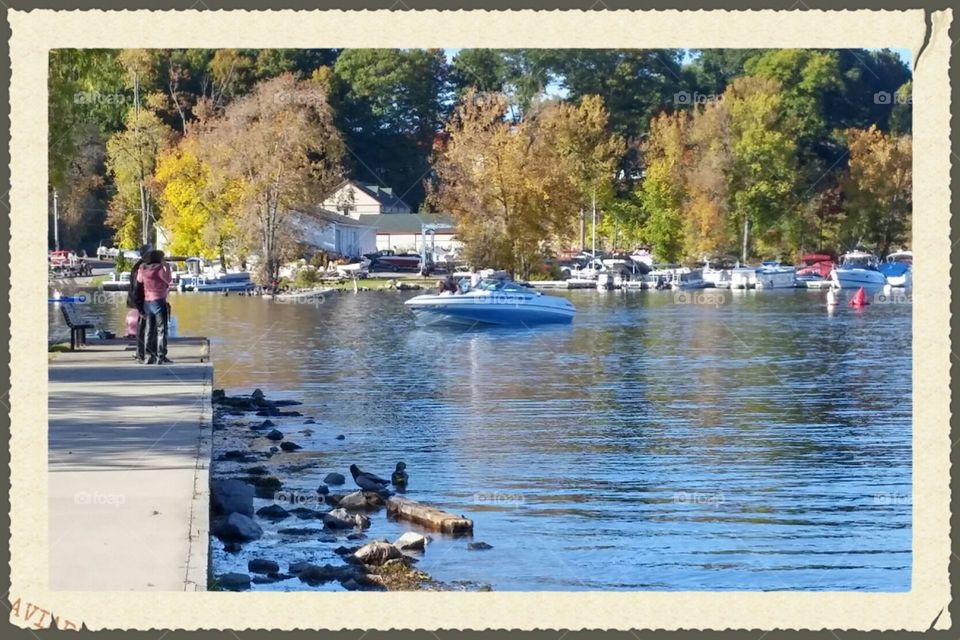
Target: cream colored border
[{"x": 36, "y": 32}]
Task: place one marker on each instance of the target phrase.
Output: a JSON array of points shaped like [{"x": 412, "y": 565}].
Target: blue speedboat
[
  {"x": 858, "y": 269},
  {"x": 898, "y": 268},
  {"x": 494, "y": 302}
]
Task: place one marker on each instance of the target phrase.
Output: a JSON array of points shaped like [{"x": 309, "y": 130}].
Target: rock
[
  {"x": 315, "y": 574},
  {"x": 259, "y": 565},
  {"x": 257, "y": 395},
  {"x": 323, "y": 489},
  {"x": 478, "y": 546},
  {"x": 355, "y": 501},
  {"x": 290, "y": 446},
  {"x": 356, "y": 536},
  {"x": 236, "y": 456},
  {"x": 362, "y": 521},
  {"x": 273, "y": 512},
  {"x": 300, "y": 531},
  {"x": 304, "y": 513},
  {"x": 339, "y": 519},
  {"x": 410, "y": 541},
  {"x": 258, "y": 470},
  {"x": 341, "y": 437},
  {"x": 334, "y": 478},
  {"x": 234, "y": 581},
  {"x": 310, "y": 421},
  {"x": 333, "y": 499},
  {"x": 217, "y": 396},
  {"x": 327, "y": 538},
  {"x": 237, "y": 528},
  {"x": 297, "y": 567},
  {"x": 350, "y": 585},
  {"x": 271, "y": 578},
  {"x": 274, "y": 435},
  {"x": 274, "y": 449},
  {"x": 231, "y": 496},
  {"x": 232, "y": 547},
  {"x": 266, "y": 424},
  {"x": 345, "y": 551},
  {"x": 378, "y": 552}
]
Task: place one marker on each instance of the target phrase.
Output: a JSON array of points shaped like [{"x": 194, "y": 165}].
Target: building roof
[
  {"x": 384, "y": 195},
  {"x": 407, "y": 222},
  {"x": 333, "y": 217}
]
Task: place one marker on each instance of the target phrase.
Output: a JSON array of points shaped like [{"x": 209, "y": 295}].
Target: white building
[
  {"x": 333, "y": 232},
  {"x": 355, "y": 199},
  {"x": 401, "y": 232}
]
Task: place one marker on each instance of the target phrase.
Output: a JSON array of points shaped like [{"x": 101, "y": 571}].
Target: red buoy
[{"x": 859, "y": 299}]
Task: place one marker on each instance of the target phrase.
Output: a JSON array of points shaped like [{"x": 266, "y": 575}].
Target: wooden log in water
[{"x": 428, "y": 517}]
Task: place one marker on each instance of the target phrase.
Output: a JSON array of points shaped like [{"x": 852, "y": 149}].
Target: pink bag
[{"x": 133, "y": 316}]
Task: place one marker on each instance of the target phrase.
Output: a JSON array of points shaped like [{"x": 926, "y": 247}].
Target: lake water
[{"x": 750, "y": 441}]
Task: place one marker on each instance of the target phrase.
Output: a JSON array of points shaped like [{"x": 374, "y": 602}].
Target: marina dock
[{"x": 129, "y": 458}]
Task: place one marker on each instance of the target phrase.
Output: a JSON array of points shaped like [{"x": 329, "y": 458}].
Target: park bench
[{"x": 78, "y": 326}]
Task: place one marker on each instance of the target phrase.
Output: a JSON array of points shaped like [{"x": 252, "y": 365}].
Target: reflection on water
[{"x": 757, "y": 444}]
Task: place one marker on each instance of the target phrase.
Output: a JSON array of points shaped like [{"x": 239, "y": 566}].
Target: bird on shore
[
  {"x": 400, "y": 477},
  {"x": 367, "y": 481}
]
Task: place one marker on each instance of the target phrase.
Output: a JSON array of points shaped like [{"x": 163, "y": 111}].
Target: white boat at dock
[
  {"x": 773, "y": 275},
  {"x": 898, "y": 269},
  {"x": 302, "y": 295},
  {"x": 858, "y": 269}
]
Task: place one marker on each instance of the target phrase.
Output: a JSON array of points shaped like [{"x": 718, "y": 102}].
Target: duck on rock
[
  {"x": 367, "y": 481},
  {"x": 400, "y": 477}
]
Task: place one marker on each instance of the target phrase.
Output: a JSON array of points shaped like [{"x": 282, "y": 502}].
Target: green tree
[{"x": 392, "y": 105}]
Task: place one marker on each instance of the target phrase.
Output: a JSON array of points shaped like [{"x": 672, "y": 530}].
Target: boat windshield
[
  {"x": 504, "y": 286},
  {"x": 901, "y": 258},
  {"x": 860, "y": 262}
]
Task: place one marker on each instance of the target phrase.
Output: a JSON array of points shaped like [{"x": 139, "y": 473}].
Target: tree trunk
[{"x": 746, "y": 240}]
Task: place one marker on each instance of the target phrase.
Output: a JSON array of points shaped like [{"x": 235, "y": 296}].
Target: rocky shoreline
[{"x": 323, "y": 531}]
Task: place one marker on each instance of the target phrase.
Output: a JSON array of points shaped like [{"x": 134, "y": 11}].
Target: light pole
[{"x": 56, "y": 223}]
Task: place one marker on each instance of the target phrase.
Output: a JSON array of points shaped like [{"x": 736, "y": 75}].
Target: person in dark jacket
[{"x": 135, "y": 300}]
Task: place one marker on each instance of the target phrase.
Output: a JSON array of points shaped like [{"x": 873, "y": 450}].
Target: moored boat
[
  {"x": 815, "y": 270},
  {"x": 773, "y": 275},
  {"x": 117, "y": 283},
  {"x": 493, "y": 302},
  {"x": 858, "y": 269},
  {"x": 898, "y": 269}
]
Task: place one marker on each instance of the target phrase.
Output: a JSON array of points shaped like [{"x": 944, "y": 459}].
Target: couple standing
[{"x": 149, "y": 284}]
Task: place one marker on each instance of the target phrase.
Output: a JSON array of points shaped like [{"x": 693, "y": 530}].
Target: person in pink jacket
[{"x": 155, "y": 276}]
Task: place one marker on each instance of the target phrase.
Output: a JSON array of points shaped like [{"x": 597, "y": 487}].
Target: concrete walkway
[{"x": 129, "y": 457}]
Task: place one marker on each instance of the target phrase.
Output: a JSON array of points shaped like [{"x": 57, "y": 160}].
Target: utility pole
[
  {"x": 56, "y": 223},
  {"x": 594, "y": 222},
  {"x": 583, "y": 231},
  {"x": 144, "y": 213}
]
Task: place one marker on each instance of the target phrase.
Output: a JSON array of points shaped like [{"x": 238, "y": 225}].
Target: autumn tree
[
  {"x": 707, "y": 220},
  {"x": 515, "y": 188},
  {"x": 280, "y": 146},
  {"x": 878, "y": 189}
]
